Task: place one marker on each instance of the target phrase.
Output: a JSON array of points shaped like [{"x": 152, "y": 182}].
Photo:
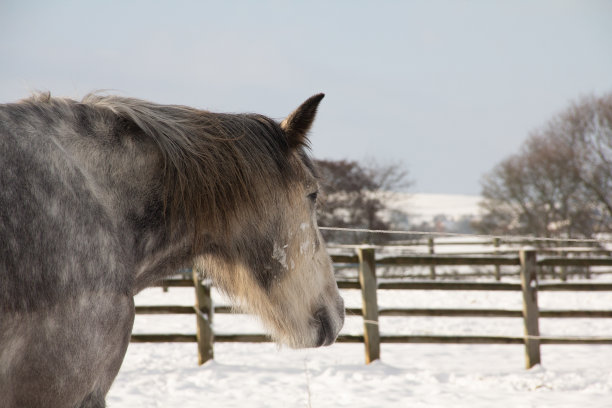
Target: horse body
[
  {"x": 66, "y": 258},
  {"x": 101, "y": 198}
]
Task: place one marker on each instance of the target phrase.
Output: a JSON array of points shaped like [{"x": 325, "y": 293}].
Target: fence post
[
  {"x": 531, "y": 313},
  {"x": 432, "y": 268},
  {"x": 587, "y": 269},
  {"x": 497, "y": 243},
  {"x": 204, "y": 314},
  {"x": 563, "y": 267},
  {"x": 367, "y": 280}
]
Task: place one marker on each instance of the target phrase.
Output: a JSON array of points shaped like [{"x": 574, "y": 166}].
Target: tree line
[{"x": 559, "y": 184}]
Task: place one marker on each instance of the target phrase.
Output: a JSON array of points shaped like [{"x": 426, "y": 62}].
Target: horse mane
[{"x": 215, "y": 166}]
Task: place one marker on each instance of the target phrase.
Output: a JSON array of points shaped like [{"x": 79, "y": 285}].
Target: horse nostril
[{"x": 326, "y": 334}]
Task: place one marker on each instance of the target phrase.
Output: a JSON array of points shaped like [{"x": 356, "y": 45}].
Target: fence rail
[
  {"x": 393, "y": 312},
  {"x": 369, "y": 286}
]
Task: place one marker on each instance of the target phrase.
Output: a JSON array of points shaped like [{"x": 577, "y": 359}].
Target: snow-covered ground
[{"x": 262, "y": 375}]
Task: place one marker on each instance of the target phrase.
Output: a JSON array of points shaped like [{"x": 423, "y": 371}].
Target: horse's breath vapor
[{"x": 103, "y": 197}]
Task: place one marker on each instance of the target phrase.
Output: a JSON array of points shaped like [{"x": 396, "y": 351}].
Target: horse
[{"x": 103, "y": 197}]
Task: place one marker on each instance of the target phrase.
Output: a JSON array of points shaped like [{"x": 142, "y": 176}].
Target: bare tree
[
  {"x": 560, "y": 182},
  {"x": 587, "y": 127},
  {"x": 354, "y": 195}
]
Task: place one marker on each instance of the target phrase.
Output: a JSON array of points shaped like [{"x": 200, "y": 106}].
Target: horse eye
[{"x": 313, "y": 196}]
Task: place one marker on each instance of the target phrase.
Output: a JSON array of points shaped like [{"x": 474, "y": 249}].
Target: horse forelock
[{"x": 217, "y": 167}]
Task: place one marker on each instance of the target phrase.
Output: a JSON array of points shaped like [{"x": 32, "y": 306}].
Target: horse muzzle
[{"x": 328, "y": 322}]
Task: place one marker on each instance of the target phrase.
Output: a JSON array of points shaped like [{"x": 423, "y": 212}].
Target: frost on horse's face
[{"x": 101, "y": 198}]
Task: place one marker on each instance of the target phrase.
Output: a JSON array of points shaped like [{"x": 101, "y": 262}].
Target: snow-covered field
[
  {"x": 424, "y": 207},
  {"x": 262, "y": 375}
]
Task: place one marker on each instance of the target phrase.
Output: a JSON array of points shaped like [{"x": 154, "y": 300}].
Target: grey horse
[{"x": 102, "y": 197}]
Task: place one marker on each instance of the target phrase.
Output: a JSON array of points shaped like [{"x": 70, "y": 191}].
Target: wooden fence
[
  {"x": 497, "y": 246},
  {"x": 369, "y": 284}
]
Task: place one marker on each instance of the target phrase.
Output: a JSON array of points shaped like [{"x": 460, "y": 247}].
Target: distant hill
[{"x": 434, "y": 212}]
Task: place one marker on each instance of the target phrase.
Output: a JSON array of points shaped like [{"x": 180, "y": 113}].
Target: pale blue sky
[{"x": 449, "y": 88}]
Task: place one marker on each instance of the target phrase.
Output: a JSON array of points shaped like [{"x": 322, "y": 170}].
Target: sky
[{"x": 446, "y": 89}]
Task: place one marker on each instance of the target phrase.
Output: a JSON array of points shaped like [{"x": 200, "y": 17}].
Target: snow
[
  {"x": 424, "y": 207},
  {"x": 264, "y": 375},
  {"x": 280, "y": 255}
]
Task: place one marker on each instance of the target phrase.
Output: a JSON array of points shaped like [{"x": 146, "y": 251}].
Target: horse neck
[
  {"x": 160, "y": 244},
  {"x": 124, "y": 171}
]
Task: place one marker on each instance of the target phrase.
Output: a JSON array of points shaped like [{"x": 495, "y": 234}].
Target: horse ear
[{"x": 297, "y": 124}]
